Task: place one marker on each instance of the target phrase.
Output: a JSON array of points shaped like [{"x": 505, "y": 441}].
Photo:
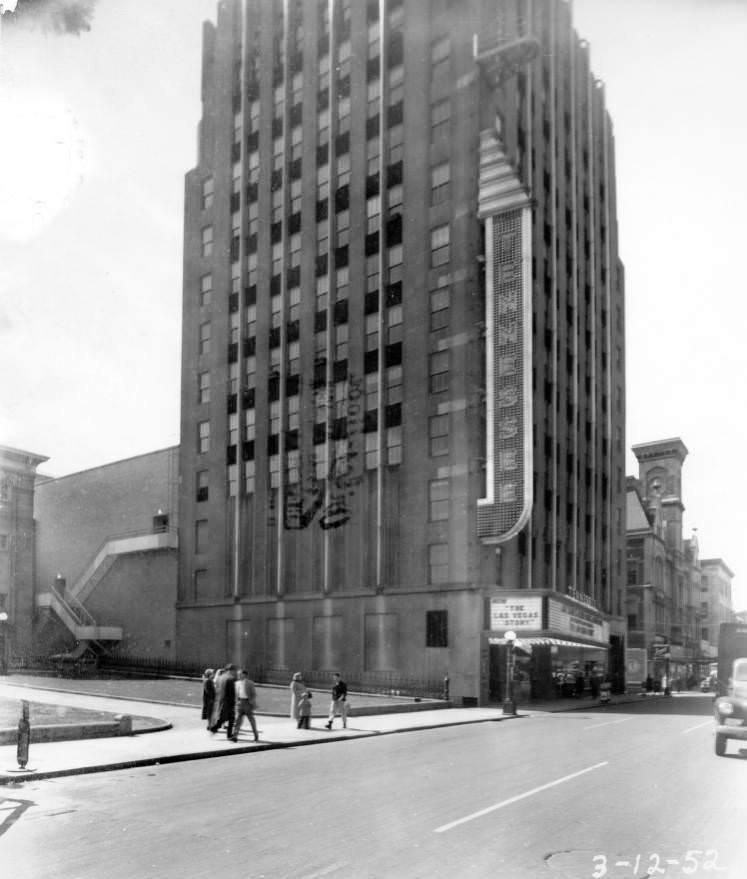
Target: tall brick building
[{"x": 403, "y": 394}]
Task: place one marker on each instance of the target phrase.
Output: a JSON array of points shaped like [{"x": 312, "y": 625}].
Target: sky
[{"x": 98, "y": 127}]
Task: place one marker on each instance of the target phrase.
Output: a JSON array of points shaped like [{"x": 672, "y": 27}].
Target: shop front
[{"x": 561, "y": 647}]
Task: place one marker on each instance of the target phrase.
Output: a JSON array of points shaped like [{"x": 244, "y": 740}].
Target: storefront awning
[
  {"x": 542, "y": 640},
  {"x": 558, "y": 642}
]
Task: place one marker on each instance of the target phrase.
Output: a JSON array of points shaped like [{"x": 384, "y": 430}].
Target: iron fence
[{"x": 381, "y": 682}]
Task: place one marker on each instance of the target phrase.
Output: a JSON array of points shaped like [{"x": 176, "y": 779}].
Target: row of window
[{"x": 438, "y": 442}]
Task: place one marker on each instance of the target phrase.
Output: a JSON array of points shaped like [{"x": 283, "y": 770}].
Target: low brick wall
[{"x": 65, "y": 732}]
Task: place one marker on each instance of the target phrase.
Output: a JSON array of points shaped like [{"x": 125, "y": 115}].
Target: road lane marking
[
  {"x": 699, "y": 726},
  {"x": 608, "y": 723},
  {"x": 535, "y": 790}
]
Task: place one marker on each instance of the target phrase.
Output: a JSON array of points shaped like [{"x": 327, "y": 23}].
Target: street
[{"x": 623, "y": 792}]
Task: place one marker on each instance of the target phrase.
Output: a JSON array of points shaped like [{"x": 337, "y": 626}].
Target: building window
[
  {"x": 296, "y": 188},
  {"x": 440, "y": 51},
  {"x": 294, "y": 303},
  {"x": 201, "y": 536},
  {"x": 440, "y": 182},
  {"x": 294, "y": 406},
  {"x": 207, "y": 192},
  {"x": 204, "y": 342},
  {"x": 394, "y": 445},
  {"x": 343, "y": 115},
  {"x": 274, "y": 417},
  {"x": 343, "y": 170},
  {"x": 343, "y": 228},
  {"x": 394, "y": 385},
  {"x": 438, "y": 435},
  {"x": 294, "y": 358},
  {"x": 207, "y": 240},
  {"x": 342, "y": 279},
  {"x": 206, "y": 290},
  {"x": 322, "y": 293},
  {"x": 440, "y": 302},
  {"x": 254, "y": 166},
  {"x": 372, "y": 391},
  {"x": 294, "y": 245},
  {"x": 372, "y": 331},
  {"x": 274, "y": 463},
  {"x": 394, "y": 324},
  {"x": 277, "y": 258},
  {"x": 232, "y": 480},
  {"x": 322, "y": 182},
  {"x": 251, "y": 321},
  {"x": 4, "y": 543},
  {"x": 249, "y": 473},
  {"x": 440, "y": 245},
  {"x": 277, "y": 205},
  {"x": 439, "y": 371},
  {"x": 437, "y": 621},
  {"x": 372, "y": 451},
  {"x": 372, "y": 156},
  {"x": 396, "y": 144},
  {"x": 296, "y": 142},
  {"x": 438, "y": 500},
  {"x": 394, "y": 262},
  {"x": 322, "y": 136},
  {"x": 204, "y": 387},
  {"x": 293, "y": 466},
  {"x": 250, "y": 424},
  {"x": 341, "y": 342},
  {"x": 202, "y": 485},
  {"x": 440, "y": 119},
  {"x": 203, "y": 436}
]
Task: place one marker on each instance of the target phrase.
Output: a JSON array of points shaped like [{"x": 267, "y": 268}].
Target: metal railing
[
  {"x": 381, "y": 682},
  {"x": 388, "y": 683},
  {"x": 73, "y": 607}
]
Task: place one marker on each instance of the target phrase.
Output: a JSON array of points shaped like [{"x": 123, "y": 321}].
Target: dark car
[{"x": 731, "y": 710}]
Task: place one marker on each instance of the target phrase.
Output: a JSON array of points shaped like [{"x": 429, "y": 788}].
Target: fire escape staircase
[{"x": 68, "y": 605}]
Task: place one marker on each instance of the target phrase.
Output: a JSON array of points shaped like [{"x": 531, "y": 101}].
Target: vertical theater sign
[{"x": 505, "y": 208}]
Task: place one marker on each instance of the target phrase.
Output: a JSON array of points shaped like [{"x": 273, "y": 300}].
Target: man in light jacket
[{"x": 246, "y": 701}]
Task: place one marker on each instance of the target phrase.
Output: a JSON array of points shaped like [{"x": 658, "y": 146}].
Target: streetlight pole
[{"x": 509, "y": 706}]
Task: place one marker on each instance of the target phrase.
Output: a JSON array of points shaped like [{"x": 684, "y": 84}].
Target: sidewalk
[{"x": 187, "y": 739}]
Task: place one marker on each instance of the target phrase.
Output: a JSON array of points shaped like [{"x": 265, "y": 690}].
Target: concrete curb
[
  {"x": 363, "y": 711},
  {"x": 21, "y": 776}
]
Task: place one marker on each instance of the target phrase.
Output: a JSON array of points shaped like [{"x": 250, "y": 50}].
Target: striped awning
[{"x": 540, "y": 641}]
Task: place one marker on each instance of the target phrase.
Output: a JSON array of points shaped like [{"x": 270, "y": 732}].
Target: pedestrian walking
[
  {"x": 225, "y": 701},
  {"x": 579, "y": 684},
  {"x": 297, "y": 688},
  {"x": 208, "y": 695},
  {"x": 339, "y": 701},
  {"x": 304, "y": 711},
  {"x": 246, "y": 702}
]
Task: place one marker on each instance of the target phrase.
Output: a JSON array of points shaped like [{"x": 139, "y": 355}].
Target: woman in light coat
[{"x": 297, "y": 688}]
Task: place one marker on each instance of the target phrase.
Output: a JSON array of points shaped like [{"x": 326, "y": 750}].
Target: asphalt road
[{"x": 625, "y": 792}]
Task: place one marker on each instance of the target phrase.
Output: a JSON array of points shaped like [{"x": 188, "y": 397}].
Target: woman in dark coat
[
  {"x": 225, "y": 701},
  {"x": 208, "y": 695}
]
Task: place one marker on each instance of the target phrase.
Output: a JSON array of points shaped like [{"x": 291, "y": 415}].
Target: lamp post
[
  {"x": 509, "y": 706},
  {"x": 3, "y": 638}
]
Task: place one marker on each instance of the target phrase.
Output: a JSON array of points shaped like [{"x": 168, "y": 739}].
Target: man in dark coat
[{"x": 225, "y": 701}]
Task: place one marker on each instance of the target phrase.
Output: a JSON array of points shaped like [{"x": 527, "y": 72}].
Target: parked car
[
  {"x": 731, "y": 710},
  {"x": 708, "y": 685}
]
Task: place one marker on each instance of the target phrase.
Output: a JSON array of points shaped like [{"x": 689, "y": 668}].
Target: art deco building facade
[{"x": 403, "y": 388}]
